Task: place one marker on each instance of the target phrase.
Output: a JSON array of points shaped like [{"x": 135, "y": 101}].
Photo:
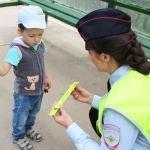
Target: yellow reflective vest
[{"x": 129, "y": 96}]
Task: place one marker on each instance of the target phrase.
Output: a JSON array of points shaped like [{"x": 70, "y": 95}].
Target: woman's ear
[
  {"x": 19, "y": 31},
  {"x": 105, "y": 57}
]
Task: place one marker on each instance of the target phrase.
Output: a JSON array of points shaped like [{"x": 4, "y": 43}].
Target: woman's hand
[
  {"x": 82, "y": 95},
  {"x": 61, "y": 117}
]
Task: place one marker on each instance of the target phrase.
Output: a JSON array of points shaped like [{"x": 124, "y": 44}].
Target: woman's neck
[{"x": 112, "y": 66}]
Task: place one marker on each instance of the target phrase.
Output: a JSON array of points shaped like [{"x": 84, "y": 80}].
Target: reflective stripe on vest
[{"x": 130, "y": 96}]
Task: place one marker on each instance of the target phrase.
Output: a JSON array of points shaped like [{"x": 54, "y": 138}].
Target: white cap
[{"x": 32, "y": 17}]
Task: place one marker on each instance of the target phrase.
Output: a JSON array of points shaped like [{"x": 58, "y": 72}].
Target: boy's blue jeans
[{"x": 24, "y": 110}]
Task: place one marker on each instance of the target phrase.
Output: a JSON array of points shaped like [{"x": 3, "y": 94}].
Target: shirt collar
[{"x": 118, "y": 74}]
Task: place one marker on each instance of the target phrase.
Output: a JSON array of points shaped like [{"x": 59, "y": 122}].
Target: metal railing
[{"x": 139, "y": 10}]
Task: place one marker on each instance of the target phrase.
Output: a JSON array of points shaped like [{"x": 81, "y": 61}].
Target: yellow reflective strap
[{"x": 63, "y": 98}]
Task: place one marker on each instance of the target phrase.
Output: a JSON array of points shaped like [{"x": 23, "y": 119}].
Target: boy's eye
[{"x": 31, "y": 36}]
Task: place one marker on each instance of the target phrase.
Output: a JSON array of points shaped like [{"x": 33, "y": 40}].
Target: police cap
[{"x": 103, "y": 22}]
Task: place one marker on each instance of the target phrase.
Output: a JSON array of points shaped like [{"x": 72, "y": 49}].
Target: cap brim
[{"x": 39, "y": 25}]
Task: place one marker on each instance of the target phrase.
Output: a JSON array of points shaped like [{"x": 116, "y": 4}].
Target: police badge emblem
[{"x": 111, "y": 136}]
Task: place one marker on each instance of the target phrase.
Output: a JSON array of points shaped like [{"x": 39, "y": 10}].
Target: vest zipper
[{"x": 41, "y": 72}]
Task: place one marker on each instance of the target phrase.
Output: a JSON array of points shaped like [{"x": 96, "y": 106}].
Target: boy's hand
[
  {"x": 4, "y": 68},
  {"x": 46, "y": 90},
  {"x": 47, "y": 83}
]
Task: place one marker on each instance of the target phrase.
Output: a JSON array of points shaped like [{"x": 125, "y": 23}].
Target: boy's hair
[{"x": 21, "y": 26}]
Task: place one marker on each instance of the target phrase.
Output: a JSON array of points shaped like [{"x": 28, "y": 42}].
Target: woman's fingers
[
  {"x": 78, "y": 88},
  {"x": 58, "y": 112},
  {"x": 53, "y": 105},
  {"x": 75, "y": 94}
]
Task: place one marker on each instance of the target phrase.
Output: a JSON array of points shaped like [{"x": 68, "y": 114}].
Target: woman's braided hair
[{"x": 124, "y": 48}]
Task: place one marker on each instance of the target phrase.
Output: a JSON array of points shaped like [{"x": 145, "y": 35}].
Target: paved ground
[{"x": 66, "y": 62}]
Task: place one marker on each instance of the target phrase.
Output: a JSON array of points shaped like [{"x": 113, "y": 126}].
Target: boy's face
[{"x": 31, "y": 36}]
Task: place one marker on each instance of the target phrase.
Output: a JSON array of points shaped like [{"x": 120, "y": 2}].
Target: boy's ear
[{"x": 19, "y": 31}]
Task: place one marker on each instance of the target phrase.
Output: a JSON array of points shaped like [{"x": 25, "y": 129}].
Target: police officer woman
[{"x": 124, "y": 112}]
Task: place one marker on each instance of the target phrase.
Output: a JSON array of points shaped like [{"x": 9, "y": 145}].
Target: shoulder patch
[{"x": 111, "y": 136}]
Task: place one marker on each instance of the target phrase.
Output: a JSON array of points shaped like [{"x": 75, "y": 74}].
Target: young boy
[{"x": 26, "y": 55}]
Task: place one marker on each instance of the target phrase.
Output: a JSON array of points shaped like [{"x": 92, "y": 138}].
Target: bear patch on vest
[{"x": 111, "y": 136}]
